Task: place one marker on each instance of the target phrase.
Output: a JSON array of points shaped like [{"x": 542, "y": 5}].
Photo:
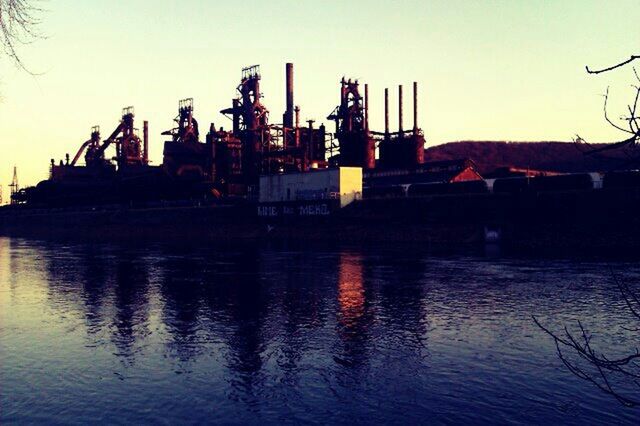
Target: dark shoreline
[{"x": 584, "y": 223}]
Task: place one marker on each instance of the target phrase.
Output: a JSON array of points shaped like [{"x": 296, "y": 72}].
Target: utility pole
[{"x": 14, "y": 185}]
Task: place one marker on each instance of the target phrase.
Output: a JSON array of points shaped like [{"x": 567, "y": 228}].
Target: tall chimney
[
  {"x": 288, "y": 115},
  {"x": 145, "y": 139},
  {"x": 297, "y": 129},
  {"x": 386, "y": 112},
  {"x": 212, "y": 151},
  {"x": 366, "y": 107},
  {"x": 309, "y": 151},
  {"x": 400, "y": 110},
  {"x": 236, "y": 116},
  {"x": 415, "y": 107}
]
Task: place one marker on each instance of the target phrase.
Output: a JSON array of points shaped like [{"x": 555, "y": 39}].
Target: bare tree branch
[
  {"x": 596, "y": 367},
  {"x": 633, "y": 130},
  {"x": 632, "y": 58},
  {"x": 18, "y": 24},
  {"x": 606, "y": 117}
]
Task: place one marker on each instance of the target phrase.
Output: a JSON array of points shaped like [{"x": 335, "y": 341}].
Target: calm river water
[{"x": 256, "y": 334}]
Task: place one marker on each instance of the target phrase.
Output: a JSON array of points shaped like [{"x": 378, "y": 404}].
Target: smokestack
[
  {"x": 288, "y": 115},
  {"x": 212, "y": 151},
  {"x": 145, "y": 138},
  {"x": 310, "y": 147},
  {"x": 236, "y": 116},
  {"x": 400, "y": 109},
  {"x": 415, "y": 107},
  {"x": 366, "y": 107},
  {"x": 297, "y": 130},
  {"x": 386, "y": 112}
]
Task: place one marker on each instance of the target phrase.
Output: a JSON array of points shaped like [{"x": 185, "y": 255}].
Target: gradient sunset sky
[{"x": 487, "y": 70}]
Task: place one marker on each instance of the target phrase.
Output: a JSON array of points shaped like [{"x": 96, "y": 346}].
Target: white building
[{"x": 344, "y": 183}]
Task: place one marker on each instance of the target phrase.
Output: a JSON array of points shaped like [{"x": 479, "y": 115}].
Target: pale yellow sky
[{"x": 493, "y": 70}]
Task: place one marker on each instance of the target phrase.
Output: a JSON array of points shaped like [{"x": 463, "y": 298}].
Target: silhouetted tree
[
  {"x": 632, "y": 126},
  {"x": 18, "y": 25},
  {"x": 575, "y": 348}
]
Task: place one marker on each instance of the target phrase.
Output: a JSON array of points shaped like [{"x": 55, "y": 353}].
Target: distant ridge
[{"x": 566, "y": 157}]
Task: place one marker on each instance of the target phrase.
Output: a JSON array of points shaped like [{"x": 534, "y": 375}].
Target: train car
[
  {"x": 622, "y": 179},
  {"x": 571, "y": 182},
  {"x": 561, "y": 183},
  {"x": 391, "y": 191},
  {"x": 516, "y": 185},
  {"x": 465, "y": 187}
]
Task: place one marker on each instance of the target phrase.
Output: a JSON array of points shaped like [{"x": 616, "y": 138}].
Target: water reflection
[
  {"x": 130, "y": 319},
  {"x": 351, "y": 295},
  {"x": 94, "y": 283},
  {"x": 277, "y": 333},
  {"x": 246, "y": 304},
  {"x": 354, "y": 315},
  {"x": 402, "y": 296},
  {"x": 180, "y": 288}
]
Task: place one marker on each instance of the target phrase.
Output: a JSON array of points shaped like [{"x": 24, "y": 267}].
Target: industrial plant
[
  {"x": 260, "y": 178},
  {"x": 228, "y": 163}
]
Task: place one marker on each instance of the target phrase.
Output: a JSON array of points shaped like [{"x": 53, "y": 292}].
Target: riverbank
[{"x": 594, "y": 220}]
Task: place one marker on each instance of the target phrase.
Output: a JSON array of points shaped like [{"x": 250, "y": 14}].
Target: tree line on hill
[{"x": 562, "y": 157}]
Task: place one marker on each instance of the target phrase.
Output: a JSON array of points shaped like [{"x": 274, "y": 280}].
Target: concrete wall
[{"x": 344, "y": 183}]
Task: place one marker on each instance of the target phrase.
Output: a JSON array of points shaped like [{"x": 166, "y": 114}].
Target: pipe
[
  {"x": 288, "y": 121},
  {"x": 310, "y": 148},
  {"x": 80, "y": 151},
  {"x": 297, "y": 128},
  {"x": 366, "y": 107},
  {"x": 415, "y": 107},
  {"x": 145, "y": 138},
  {"x": 400, "y": 109},
  {"x": 386, "y": 112},
  {"x": 320, "y": 154},
  {"x": 212, "y": 152}
]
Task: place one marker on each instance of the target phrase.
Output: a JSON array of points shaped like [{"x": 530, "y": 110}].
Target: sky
[{"x": 486, "y": 70}]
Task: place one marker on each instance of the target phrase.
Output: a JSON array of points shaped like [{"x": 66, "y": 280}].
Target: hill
[{"x": 566, "y": 157}]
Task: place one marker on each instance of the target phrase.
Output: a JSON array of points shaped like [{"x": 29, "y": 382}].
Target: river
[{"x": 257, "y": 333}]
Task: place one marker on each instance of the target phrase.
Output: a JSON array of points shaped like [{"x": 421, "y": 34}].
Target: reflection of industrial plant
[
  {"x": 246, "y": 301},
  {"x": 351, "y": 296},
  {"x": 354, "y": 316},
  {"x": 227, "y": 163}
]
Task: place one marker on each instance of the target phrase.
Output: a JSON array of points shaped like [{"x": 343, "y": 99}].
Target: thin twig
[
  {"x": 605, "y": 367},
  {"x": 632, "y": 58},
  {"x": 18, "y": 25}
]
